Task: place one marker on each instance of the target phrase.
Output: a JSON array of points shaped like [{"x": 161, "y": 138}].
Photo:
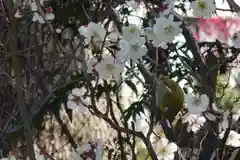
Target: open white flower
[
  {"x": 195, "y": 122},
  {"x": 94, "y": 32},
  {"x": 77, "y": 101},
  {"x": 38, "y": 18},
  {"x": 158, "y": 133},
  {"x": 203, "y": 8},
  {"x": 166, "y": 29},
  {"x": 196, "y": 104},
  {"x": 135, "y": 50},
  {"x": 18, "y": 14},
  {"x": 50, "y": 16},
  {"x": 165, "y": 150},
  {"x": 131, "y": 32},
  {"x": 108, "y": 69},
  {"x": 233, "y": 138}
]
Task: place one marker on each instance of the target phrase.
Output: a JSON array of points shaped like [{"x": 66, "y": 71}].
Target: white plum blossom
[
  {"x": 108, "y": 69},
  {"x": 38, "y": 18},
  {"x": 77, "y": 101},
  {"x": 233, "y": 138},
  {"x": 58, "y": 30},
  {"x": 131, "y": 32},
  {"x": 195, "y": 122},
  {"x": 135, "y": 50},
  {"x": 94, "y": 32},
  {"x": 158, "y": 133},
  {"x": 203, "y": 8},
  {"x": 18, "y": 14},
  {"x": 165, "y": 150},
  {"x": 196, "y": 104},
  {"x": 49, "y": 15},
  {"x": 234, "y": 79},
  {"x": 34, "y": 6},
  {"x": 165, "y": 29}
]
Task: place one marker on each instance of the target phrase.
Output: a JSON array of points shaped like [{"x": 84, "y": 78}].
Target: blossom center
[
  {"x": 132, "y": 30},
  {"x": 135, "y": 47},
  {"x": 202, "y": 5},
  {"x": 169, "y": 29},
  {"x": 77, "y": 100},
  {"x": 110, "y": 67},
  {"x": 196, "y": 101},
  {"x": 164, "y": 150}
]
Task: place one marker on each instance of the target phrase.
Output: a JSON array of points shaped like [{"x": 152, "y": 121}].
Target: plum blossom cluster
[
  {"x": 233, "y": 138},
  {"x": 197, "y": 104},
  {"x": 131, "y": 44},
  {"x": 161, "y": 145},
  {"x": 39, "y": 18},
  {"x": 163, "y": 31}
]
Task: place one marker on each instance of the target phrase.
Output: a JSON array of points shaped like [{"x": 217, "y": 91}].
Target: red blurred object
[
  {"x": 49, "y": 10},
  {"x": 215, "y": 28}
]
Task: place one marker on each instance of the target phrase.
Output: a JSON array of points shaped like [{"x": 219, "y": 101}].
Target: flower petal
[
  {"x": 172, "y": 147},
  {"x": 50, "y": 16}
]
